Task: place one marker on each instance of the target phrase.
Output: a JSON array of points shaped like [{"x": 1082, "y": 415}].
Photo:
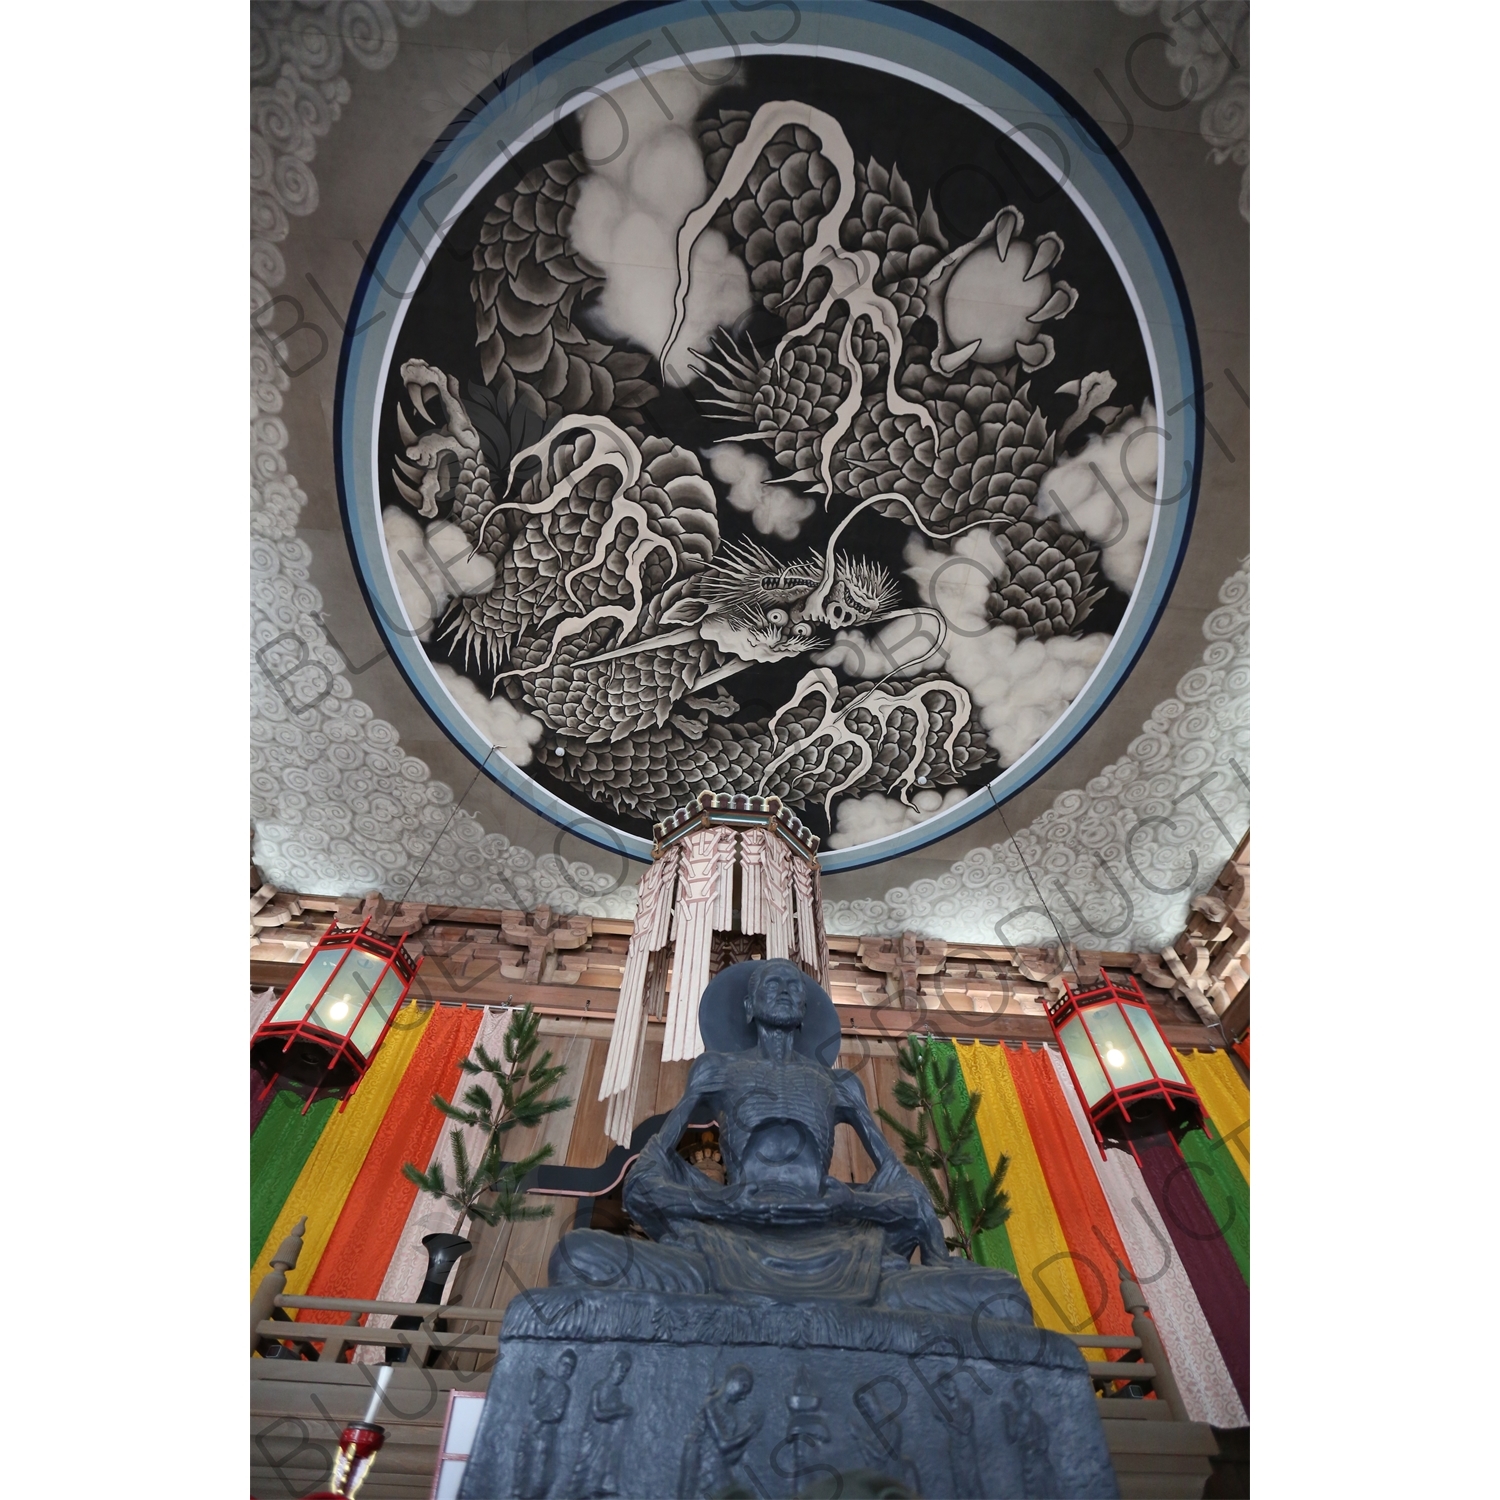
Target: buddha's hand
[
  {"x": 891, "y": 1178},
  {"x": 904, "y": 1199},
  {"x": 771, "y": 1204},
  {"x": 837, "y": 1196}
]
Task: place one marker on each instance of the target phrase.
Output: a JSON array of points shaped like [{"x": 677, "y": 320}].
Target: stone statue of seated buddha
[
  {"x": 773, "y": 1336},
  {"x": 780, "y": 1227}
]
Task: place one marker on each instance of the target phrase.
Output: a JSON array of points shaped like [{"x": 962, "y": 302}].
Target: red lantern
[
  {"x": 1126, "y": 1075},
  {"x": 322, "y": 1037}
]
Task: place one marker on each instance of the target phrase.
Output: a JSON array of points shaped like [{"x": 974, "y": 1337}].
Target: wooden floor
[
  {"x": 297, "y": 1410},
  {"x": 1156, "y": 1459}
]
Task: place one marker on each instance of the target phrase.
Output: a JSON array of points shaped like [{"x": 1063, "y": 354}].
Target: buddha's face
[{"x": 777, "y": 999}]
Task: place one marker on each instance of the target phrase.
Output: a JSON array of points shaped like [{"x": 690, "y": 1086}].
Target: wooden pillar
[
  {"x": 1144, "y": 1327},
  {"x": 273, "y": 1283}
]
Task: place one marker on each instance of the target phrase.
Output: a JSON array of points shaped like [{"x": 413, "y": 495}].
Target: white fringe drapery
[
  {"x": 778, "y": 899},
  {"x": 1202, "y": 1376},
  {"x": 811, "y": 945},
  {"x": 622, "y": 1064},
  {"x": 262, "y": 1004},
  {"x": 705, "y": 888},
  {"x": 686, "y": 898},
  {"x": 428, "y": 1215}
]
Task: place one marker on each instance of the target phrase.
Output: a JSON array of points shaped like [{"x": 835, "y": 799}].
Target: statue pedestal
[{"x": 635, "y": 1393}]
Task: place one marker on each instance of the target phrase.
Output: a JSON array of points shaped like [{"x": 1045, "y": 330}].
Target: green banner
[
  {"x": 1224, "y": 1190},
  {"x": 992, "y": 1247},
  {"x": 278, "y": 1151}
]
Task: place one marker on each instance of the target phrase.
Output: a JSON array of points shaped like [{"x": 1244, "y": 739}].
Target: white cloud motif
[
  {"x": 1020, "y": 687},
  {"x": 647, "y": 178},
  {"x": 774, "y": 510},
  {"x": 510, "y": 731},
  {"x": 1103, "y": 489},
  {"x": 861, "y": 820},
  {"x": 320, "y": 758},
  {"x": 431, "y": 566},
  {"x": 1189, "y": 768}
]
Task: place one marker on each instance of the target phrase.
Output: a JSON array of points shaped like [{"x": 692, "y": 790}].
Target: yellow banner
[
  {"x": 1226, "y": 1099},
  {"x": 1043, "y": 1261},
  {"x": 325, "y": 1180}
]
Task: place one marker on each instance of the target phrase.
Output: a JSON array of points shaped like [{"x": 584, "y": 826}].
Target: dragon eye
[{"x": 777, "y": 616}]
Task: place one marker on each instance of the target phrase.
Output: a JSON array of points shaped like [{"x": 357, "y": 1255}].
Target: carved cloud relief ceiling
[{"x": 642, "y": 529}]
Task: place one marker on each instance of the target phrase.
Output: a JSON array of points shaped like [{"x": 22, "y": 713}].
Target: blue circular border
[{"x": 979, "y": 70}]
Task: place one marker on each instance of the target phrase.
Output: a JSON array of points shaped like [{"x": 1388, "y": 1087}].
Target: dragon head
[
  {"x": 861, "y": 592},
  {"x": 761, "y": 632}
]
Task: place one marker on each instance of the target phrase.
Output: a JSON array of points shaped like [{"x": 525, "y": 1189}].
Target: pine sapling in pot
[
  {"x": 489, "y": 1189},
  {"x": 930, "y": 1091}
]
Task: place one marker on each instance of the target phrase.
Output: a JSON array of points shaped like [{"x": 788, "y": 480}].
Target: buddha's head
[{"x": 776, "y": 999}]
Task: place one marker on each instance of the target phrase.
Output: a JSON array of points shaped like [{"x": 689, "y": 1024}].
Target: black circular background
[{"x": 970, "y": 169}]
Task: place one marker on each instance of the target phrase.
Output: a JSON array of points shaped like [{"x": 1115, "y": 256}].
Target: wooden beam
[
  {"x": 1236, "y": 1018},
  {"x": 590, "y": 1002}
]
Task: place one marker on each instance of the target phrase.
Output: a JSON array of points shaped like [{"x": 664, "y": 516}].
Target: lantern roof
[
  {"x": 1123, "y": 1069},
  {"x": 737, "y": 810}
]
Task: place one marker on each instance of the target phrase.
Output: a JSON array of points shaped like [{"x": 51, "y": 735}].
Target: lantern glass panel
[
  {"x": 1155, "y": 1045},
  {"x": 1117, "y": 1047},
  {"x": 302, "y": 994},
  {"x": 341, "y": 1002},
  {"x": 372, "y": 1023},
  {"x": 1085, "y": 1065}
]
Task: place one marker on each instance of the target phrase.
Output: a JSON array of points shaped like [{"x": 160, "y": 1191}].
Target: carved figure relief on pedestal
[
  {"x": 963, "y": 1458},
  {"x": 722, "y": 1430},
  {"x": 536, "y": 1454},
  {"x": 597, "y": 1469},
  {"x": 1027, "y": 1429}
]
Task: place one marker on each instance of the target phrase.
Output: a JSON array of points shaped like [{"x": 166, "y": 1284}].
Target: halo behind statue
[{"x": 721, "y": 1015}]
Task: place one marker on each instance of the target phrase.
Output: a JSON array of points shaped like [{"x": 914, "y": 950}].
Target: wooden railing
[
  {"x": 1146, "y": 1365},
  {"x": 339, "y": 1336}
]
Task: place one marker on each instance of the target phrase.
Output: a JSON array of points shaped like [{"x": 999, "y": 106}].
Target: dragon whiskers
[{"x": 833, "y": 733}]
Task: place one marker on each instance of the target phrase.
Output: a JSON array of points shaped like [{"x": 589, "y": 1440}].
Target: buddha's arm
[
  {"x": 661, "y": 1185},
  {"x": 891, "y": 1179}
]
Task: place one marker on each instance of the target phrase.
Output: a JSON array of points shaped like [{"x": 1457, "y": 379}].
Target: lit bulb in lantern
[
  {"x": 1115, "y": 1058},
  {"x": 340, "y": 1008}
]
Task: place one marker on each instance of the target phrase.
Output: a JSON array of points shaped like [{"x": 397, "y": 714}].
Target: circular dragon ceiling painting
[{"x": 770, "y": 417}]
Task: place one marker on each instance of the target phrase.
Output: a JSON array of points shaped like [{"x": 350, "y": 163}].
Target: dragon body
[{"x": 619, "y": 613}]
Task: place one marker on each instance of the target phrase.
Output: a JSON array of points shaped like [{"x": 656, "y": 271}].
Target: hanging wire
[
  {"x": 1064, "y": 946},
  {"x": 457, "y": 806}
]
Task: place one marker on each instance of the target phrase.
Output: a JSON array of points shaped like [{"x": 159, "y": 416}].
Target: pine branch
[
  {"x": 479, "y": 1100},
  {"x": 926, "y": 1091},
  {"x": 520, "y": 1085},
  {"x": 454, "y": 1111},
  {"x": 429, "y": 1182},
  {"x": 461, "y": 1163}
]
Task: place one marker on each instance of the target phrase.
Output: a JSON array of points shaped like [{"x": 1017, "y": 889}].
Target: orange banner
[
  {"x": 1078, "y": 1200},
  {"x": 364, "y": 1239}
]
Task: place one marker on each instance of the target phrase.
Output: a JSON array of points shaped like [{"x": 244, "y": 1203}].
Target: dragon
[{"x": 618, "y": 611}]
